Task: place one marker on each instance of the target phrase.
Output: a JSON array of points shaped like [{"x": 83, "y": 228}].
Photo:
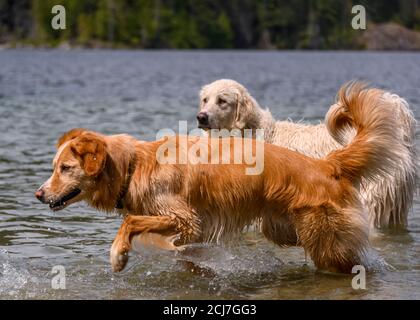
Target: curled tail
[{"x": 375, "y": 149}]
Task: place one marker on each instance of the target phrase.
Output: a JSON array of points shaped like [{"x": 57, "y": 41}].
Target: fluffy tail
[
  {"x": 376, "y": 149},
  {"x": 389, "y": 186}
]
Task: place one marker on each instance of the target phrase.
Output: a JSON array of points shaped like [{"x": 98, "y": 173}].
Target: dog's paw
[{"x": 119, "y": 255}]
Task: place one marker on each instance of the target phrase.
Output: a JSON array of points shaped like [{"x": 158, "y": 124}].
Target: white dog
[{"x": 226, "y": 104}]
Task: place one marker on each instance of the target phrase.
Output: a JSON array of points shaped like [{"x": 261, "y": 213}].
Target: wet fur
[{"x": 388, "y": 196}]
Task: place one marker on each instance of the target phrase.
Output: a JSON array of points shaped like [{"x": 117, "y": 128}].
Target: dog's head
[
  {"x": 80, "y": 159},
  {"x": 224, "y": 104}
]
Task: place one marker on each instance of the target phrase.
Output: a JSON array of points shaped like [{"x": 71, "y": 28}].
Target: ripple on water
[{"x": 139, "y": 93}]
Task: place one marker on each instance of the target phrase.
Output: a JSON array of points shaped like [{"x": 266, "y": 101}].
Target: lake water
[{"x": 45, "y": 93}]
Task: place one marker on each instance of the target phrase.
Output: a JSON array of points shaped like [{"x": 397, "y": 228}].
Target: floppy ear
[
  {"x": 244, "y": 110},
  {"x": 91, "y": 150},
  {"x": 70, "y": 135}
]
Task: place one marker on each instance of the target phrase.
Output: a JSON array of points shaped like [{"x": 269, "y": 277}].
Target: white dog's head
[{"x": 226, "y": 104}]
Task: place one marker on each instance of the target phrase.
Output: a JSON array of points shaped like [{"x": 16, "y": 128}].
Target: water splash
[{"x": 13, "y": 281}]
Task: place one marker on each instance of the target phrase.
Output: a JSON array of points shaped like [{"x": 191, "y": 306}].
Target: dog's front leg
[{"x": 132, "y": 225}]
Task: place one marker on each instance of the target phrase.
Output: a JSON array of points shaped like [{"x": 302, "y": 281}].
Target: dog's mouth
[{"x": 62, "y": 202}]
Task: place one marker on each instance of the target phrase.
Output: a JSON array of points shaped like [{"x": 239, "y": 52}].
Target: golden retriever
[
  {"x": 299, "y": 200},
  {"x": 226, "y": 104}
]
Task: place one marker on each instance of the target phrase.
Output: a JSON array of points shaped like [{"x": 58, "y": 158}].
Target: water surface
[{"x": 45, "y": 93}]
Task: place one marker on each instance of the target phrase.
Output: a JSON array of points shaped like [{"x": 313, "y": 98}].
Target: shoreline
[{"x": 10, "y": 47}]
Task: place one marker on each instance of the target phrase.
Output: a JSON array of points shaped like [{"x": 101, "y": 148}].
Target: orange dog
[{"x": 201, "y": 202}]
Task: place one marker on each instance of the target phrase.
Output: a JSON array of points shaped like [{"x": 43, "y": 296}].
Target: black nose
[
  {"x": 40, "y": 195},
  {"x": 203, "y": 118}
]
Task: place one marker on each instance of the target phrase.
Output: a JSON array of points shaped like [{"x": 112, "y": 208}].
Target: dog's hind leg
[{"x": 336, "y": 239}]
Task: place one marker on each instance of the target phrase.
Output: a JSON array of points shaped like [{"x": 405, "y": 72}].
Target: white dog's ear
[{"x": 244, "y": 110}]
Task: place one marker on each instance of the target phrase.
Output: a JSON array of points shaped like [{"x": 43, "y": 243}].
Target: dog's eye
[
  {"x": 221, "y": 101},
  {"x": 64, "y": 168},
  {"x": 205, "y": 100}
]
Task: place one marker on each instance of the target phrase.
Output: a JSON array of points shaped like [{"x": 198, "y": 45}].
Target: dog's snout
[
  {"x": 203, "y": 118},
  {"x": 40, "y": 195}
]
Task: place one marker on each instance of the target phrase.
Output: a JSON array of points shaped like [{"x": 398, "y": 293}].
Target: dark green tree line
[{"x": 198, "y": 23}]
